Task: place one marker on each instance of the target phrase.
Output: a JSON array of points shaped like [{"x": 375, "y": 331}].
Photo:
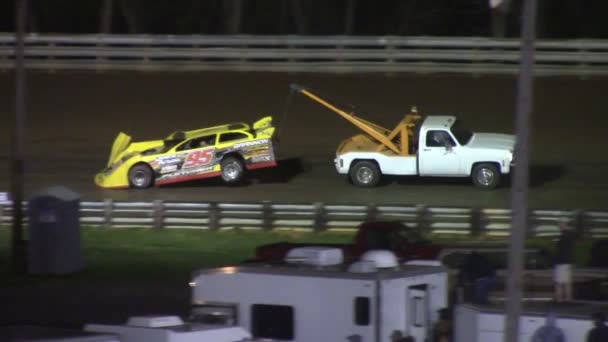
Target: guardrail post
[
  {"x": 108, "y": 205},
  {"x": 214, "y": 216},
  {"x": 423, "y": 218},
  {"x": 1, "y": 214},
  {"x": 477, "y": 222},
  {"x": 531, "y": 222},
  {"x": 158, "y": 213},
  {"x": 267, "y": 217},
  {"x": 372, "y": 212},
  {"x": 319, "y": 219},
  {"x": 579, "y": 223}
]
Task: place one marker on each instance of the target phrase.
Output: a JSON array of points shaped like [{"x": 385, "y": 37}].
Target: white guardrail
[
  {"x": 320, "y": 217},
  {"x": 581, "y": 57}
]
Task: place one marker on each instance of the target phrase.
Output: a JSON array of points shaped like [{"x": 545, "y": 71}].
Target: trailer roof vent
[
  {"x": 362, "y": 267},
  {"x": 315, "y": 256},
  {"x": 154, "y": 321},
  {"x": 381, "y": 258}
]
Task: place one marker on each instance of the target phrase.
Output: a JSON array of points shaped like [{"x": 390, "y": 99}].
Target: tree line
[{"x": 556, "y": 18}]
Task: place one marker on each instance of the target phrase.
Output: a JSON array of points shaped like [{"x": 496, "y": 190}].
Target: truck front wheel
[
  {"x": 365, "y": 173},
  {"x": 486, "y": 176}
]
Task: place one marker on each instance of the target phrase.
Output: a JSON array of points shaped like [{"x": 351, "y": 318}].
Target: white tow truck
[
  {"x": 314, "y": 296},
  {"x": 436, "y": 146}
]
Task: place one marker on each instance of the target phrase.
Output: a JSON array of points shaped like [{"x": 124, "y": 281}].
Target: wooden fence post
[
  {"x": 372, "y": 212},
  {"x": 267, "y": 216},
  {"x": 214, "y": 216},
  {"x": 477, "y": 222},
  {"x": 423, "y": 219},
  {"x": 158, "y": 213},
  {"x": 319, "y": 219},
  {"x": 108, "y": 205},
  {"x": 579, "y": 223}
]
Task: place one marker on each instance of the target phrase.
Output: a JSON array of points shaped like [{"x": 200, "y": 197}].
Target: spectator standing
[
  {"x": 599, "y": 332},
  {"x": 442, "y": 329},
  {"x": 549, "y": 332},
  {"x": 479, "y": 272},
  {"x": 564, "y": 254}
]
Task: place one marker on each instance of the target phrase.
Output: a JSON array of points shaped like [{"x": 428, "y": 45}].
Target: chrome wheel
[
  {"x": 139, "y": 178},
  {"x": 231, "y": 171},
  {"x": 365, "y": 175},
  {"x": 486, "y": 177}
]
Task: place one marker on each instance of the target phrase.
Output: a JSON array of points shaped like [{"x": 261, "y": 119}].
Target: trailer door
[{"x": 417, "y": 307}]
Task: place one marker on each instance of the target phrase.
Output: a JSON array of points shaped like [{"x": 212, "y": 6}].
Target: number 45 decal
[{"x": 198, "y": 158}]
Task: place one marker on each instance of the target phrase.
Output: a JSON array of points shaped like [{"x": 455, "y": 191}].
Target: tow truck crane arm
[{"x": 385, "y": 136}]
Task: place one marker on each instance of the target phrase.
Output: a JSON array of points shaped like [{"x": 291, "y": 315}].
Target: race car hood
[{"x": 123, "y": 145}]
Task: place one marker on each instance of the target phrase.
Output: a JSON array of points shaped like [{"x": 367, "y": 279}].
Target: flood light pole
[
  {"x": 18, "y": 250},
  {"x": 519, "y": 190}
]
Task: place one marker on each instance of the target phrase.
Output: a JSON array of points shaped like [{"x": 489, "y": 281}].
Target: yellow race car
[{"x": 225, "y": 150}]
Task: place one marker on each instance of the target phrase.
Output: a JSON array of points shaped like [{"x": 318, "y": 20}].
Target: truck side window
[{"x": 438, "y": 139}]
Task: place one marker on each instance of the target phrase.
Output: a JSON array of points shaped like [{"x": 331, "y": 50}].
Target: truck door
[
  {"x": 438, "y": 155},
  {"x": 417, "y": 317}
]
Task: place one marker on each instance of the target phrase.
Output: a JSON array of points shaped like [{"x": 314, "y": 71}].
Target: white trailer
[
  {"x": 322, "y": 300},
  {"x": 154, "y": 328},
  {"x": 486, "y": 323}
]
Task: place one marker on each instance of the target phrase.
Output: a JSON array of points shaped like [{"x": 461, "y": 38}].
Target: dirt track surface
[{"x": 73, "y": 117}]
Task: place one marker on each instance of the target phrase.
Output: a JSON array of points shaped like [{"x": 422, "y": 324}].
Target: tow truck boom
[{"x": 397, "y": 139}]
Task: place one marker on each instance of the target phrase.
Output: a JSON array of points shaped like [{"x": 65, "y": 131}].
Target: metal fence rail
[
  {"x": 321, "y": 217},
  {"x": 304, "y": 54}
]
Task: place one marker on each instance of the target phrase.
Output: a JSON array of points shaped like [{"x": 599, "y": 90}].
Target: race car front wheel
[
  {"x": 140, "y": 176},
  {"x": 232, "y": 170}
]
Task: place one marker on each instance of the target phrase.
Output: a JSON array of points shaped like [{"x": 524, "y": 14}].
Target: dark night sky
[{"x": 557, "y": 18}]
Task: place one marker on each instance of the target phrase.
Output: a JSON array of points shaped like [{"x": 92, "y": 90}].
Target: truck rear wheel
[
  {"x": 486, "y": 176},
  {"x": 365, "y": 173}
]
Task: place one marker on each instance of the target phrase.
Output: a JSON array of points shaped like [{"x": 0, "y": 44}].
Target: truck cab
[{"x": 448, "y": 149}]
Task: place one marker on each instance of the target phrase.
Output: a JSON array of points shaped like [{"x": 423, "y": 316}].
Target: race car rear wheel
[
  {"x": 232, "y": 169},
  {"x": 365, "y": 173},
  {"x": 140, "y": 176}
]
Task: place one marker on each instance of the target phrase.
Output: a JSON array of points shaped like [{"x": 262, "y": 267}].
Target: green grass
[{"x": 146, "y": 254}]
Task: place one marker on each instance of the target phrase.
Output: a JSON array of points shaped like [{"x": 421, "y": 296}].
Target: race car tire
[
  {"x": 365, "y": 173},
  {"x": 485, "y": 176},
  {"x": 141, "y": 176},
  {"x": 233, "y": 169}
]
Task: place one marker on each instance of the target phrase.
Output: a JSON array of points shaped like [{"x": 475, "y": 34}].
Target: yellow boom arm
[{"x": 403, "y": 131}]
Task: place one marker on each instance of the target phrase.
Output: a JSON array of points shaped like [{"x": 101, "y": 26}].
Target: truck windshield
[{"x": 461, "y": 133}]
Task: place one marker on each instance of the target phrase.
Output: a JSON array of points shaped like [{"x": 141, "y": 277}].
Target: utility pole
[
  {"x": 519, "y": 190},
  {"x": 18, "y": 244}
]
